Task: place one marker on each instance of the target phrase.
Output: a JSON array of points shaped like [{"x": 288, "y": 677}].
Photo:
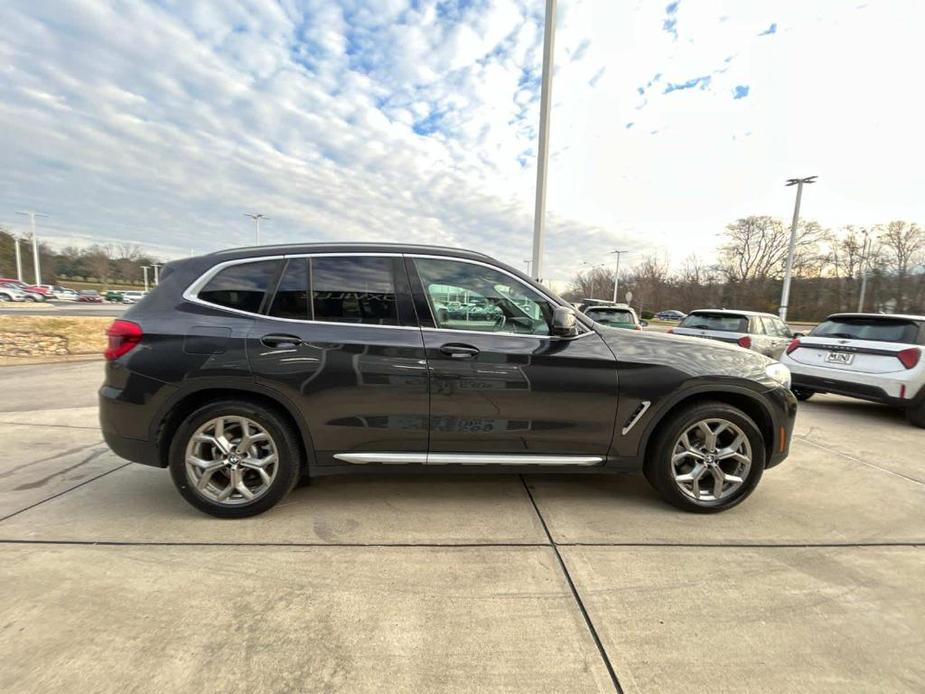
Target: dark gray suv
[{"x": 247, "y": 370}]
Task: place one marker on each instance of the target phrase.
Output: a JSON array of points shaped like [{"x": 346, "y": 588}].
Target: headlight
[{"x": 780, "y": 373}]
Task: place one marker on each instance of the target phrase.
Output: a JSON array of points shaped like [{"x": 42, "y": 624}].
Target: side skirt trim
[{"x": 467, "y": 459}]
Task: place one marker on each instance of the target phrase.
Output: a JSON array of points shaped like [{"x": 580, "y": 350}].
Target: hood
[{"x": 691, "y": 355}]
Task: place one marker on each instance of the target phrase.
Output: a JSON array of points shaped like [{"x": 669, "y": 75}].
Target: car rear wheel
[
  {"x": 234, "y": 459},
  {"x": 802, "y": 394},
  {"x": 708, "y": 458},
  {"x": 916, "y": 415}
]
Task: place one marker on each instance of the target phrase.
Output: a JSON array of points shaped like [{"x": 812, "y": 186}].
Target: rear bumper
[
  {"x": 135, "y": 450},
  {"x": 873, "y": 387}
]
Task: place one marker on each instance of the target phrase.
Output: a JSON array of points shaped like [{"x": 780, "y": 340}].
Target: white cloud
[{"x": 163, "y": 122}]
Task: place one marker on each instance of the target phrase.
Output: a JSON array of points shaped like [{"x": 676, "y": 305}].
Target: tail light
[
  {"x": 909, "y": 357},
  {"x": 794, "y": 343},
  {"x": 124, "y": 336},
  {"x": 745, "y": 341}
]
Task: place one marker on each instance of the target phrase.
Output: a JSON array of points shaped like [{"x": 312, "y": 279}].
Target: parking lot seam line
[
  {"x": 45, "y": 426},
  {"x": 63, "y": 492},
  {"x": 862, "y": 462},
  {"x": 571, "y": 584},
  {"x": 913, "y": 544}
]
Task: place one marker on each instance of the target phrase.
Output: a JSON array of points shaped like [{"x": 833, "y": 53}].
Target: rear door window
[
  {"x": 242, "y": 287},
  {"x": 722, "y": 322},
  {"x": 869, "y": 328},
  {"x": 291, "y": 298},
  {"x": 354, "y": 289}
]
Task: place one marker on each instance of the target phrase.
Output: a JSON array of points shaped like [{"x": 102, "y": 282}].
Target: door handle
[
  {"x": 281, "y": 341},
  {"x": 457, "y": 351}
]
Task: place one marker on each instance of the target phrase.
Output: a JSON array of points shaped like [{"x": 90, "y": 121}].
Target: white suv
[{"x": 865, "y": 355}]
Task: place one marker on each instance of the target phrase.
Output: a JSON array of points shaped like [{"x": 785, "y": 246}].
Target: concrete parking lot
[{"x": 470, "y": 583}]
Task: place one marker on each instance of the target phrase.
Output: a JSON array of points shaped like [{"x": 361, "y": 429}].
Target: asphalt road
[{"x": 458, "y": 583}]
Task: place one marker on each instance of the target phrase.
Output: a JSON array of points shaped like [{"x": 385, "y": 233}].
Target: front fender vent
[{"x": 636, "y": 416}]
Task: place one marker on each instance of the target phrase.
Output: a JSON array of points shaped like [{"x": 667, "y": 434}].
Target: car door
[
  {"x": 500, "y": 383},
  {"x": 340, "y": 340}
]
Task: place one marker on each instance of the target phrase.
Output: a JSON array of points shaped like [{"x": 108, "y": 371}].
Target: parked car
[
  {"x": 863, "y": 355},
  {"x": 614, "y": 316},
  {"x": 113, "y": 295},
  {"x": 65, "y": 294},
  {"x": 670, "y": 315},
  {"x": 28, "y": 293},
  {"x": 89, "y": 296},
  {"x": 760, "y": 332},
  {"x": 132, "y": 296},
  {"x": 11, "y": 293},
  {"x": 246, "y": 370}
]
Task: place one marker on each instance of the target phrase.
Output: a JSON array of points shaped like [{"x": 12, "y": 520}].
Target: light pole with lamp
[
  {"x": 35, "y": 242},
  {"x": 788, "y": 273},
  {"x": 616, "y": 277},
  {"x": 256, "y": 218}
]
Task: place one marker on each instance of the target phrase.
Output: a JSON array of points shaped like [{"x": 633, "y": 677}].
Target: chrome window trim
[
  {"x": 467, "y": 459},
  {"x": 191, "y": 292}
]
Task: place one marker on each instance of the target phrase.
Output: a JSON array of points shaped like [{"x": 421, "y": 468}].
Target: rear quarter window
[
  {"x": 875, "y": 329},
  {"x": 241, "y": 287},
  {"x": 716, "y": 321}
]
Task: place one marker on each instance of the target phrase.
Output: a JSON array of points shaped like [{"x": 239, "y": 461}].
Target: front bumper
[{"x": 783, "y": 417}]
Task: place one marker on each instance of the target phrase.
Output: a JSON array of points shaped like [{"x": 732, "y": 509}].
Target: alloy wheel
[
  {"x": 711, "y": 459},
  {"x": 231, "y": 460}
]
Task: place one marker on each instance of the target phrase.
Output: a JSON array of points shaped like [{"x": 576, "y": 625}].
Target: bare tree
[{"x": 903, "y": 245}]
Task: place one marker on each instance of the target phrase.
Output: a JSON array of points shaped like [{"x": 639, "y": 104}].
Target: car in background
[
  {"x": 29, "y": 293},
  {"x": 760, "y": 332},
  {"x": 614, "y": 316},
  {"x": 60, "y": 293},
  {"x": 11, "y": 293},
  {"x": 35, "y": 291},
  {"x": 870, "y": 356},
  {"x": 132, "y": 296},
  {"x": 670, "y": 315},
  {"x": 113, "y": 295},
  {"x": 89, "y": 296}
]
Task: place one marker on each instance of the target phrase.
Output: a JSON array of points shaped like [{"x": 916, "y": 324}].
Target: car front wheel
[
  {"x": 708, "y": 458},
  {"x": 234, "y": 459}
]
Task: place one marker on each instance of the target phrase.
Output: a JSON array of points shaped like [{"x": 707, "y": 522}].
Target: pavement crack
[
  {"x": 44, "y": 480},
  {"x": 62, "y": 454},
  {"x": 571, "y": 584},
  {"x": 858, "y": 460}
]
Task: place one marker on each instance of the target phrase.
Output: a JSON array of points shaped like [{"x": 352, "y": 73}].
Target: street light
[
  {"x": 616, "y": 277},
  {"x": 157, "y": 274},
  {"x": 256, "y": 218},
  {"x": 18, "y": 258},
  {"x": 35, "y": 242},
  {"x": 145, "y": 269},
  {"x": 785, "y": 292},
  {"x": 542, "y": 156},
  {"x": 865, "y": 264}
]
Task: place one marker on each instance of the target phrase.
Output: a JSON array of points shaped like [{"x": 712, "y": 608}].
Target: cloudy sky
[{"x": 162, "y": 122}]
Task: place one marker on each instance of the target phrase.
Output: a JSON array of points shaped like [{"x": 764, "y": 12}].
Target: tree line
[
  {"x": 828, "y": 270},
  {"x": 103, "y": 263}
]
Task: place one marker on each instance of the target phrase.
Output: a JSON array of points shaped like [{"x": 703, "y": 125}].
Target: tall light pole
[
  {"x": 865, "y": 264},
  {"x": 542, "y": 158},
  {"x": 31, "y": 214},
  {"x": 157, "y": 274},
  {"x": 616, "y": 277},
  {"x": 256, "y": 218},
  {"x": 145, "y": 268},
  {"x": 785, "y": 292},
  {"x": 18, "y": 258}
]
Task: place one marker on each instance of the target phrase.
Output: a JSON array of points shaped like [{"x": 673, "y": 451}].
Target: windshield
[
  {"x": 610, "y": 315},
  {"x": 716, "y": 321},
  {"x": 872, "y": 328}
]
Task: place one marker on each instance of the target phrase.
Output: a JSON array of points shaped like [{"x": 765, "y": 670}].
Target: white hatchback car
[
  {"x": 870, "y": 356},
  {"x": 132, "y": 297}
]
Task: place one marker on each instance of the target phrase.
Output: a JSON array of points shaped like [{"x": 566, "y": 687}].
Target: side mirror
[
  {"x": 564, "y": 323},
  {"x": 799, "y": 334}
]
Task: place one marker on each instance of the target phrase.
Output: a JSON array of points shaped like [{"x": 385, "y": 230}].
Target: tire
[
  {"x": 802, "y": 394},
  {"x": 279, "y": 436},
  {"x": 916, "y": 415},
  {"x": 730, "y": 423},
  {"x": 30, "y": 298}
]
